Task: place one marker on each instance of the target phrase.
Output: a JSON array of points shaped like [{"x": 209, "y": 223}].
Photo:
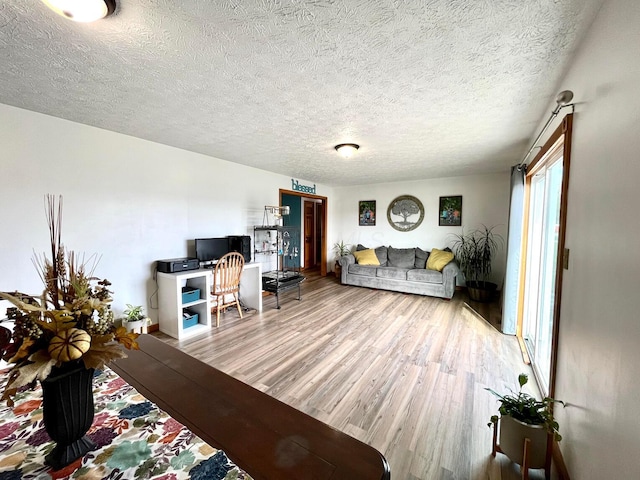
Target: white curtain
[{"x": 514, "y": 244}]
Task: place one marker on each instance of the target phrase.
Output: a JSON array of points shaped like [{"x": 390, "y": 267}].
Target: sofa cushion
[
  {"x": 366, "y": 257},
  {"x": 438, "y": 259},
  {"x": 392, "y": 272},
  {"x": 381, "y": 253},
  {"x": 421, "y": 258},
  {"x": 365, "y": 270},
  {"x": 424, "y": 275},
  {"x": 402, "y": 257}
]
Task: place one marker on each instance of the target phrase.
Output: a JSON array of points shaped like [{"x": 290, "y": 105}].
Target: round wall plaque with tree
[{"x": 405, "y": 213}]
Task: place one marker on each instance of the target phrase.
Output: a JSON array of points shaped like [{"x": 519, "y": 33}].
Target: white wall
[
  {"x": 130, "y": 200},
  {"x": 485, "y": 200},
  {"x": 599, "y": 340}
]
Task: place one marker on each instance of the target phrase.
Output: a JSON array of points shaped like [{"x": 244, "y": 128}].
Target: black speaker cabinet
[{"x": 241, "y": 244}]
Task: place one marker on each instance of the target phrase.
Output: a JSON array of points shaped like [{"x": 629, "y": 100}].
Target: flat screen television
[{"x": 210, "y": 249}]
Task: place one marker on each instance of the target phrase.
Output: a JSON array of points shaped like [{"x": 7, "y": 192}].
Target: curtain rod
[{"x": 562, "y": 100}]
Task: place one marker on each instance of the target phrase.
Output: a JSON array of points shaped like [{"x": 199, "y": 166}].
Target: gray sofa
[{"x": 400, "y": 270}]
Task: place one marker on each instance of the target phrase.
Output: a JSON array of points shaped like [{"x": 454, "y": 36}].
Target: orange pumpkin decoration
[{"x": 69, "y": 345}]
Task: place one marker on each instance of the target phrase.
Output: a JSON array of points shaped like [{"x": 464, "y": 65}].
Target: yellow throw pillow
[
  {"x": 438, "y": 259},
  {"x": 366, "y": 257}
]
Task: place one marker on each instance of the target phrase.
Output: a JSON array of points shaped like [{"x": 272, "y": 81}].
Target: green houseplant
[
  {"x": 134, "y": 317},
  {"x": 340, "y": 249},
  {"x": 523, "y": 416},
  {"x": 474, "y": 252}
]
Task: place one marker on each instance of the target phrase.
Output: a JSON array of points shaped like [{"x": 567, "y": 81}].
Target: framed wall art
[
  {"x": 405, "y": 213},
  {"x": 367, "y": 213},
  {"x": 450, "y": 212}
]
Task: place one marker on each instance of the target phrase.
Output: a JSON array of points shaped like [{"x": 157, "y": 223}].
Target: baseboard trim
[{"x": 558, "y": 461}]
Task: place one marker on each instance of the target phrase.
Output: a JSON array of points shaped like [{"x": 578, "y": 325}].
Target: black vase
[{"x": 67, "y": 401}]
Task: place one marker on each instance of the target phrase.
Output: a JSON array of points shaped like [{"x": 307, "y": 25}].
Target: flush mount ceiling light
[
  {"x": 347, "y": 149},
  {"x": 82, "y": 10}
]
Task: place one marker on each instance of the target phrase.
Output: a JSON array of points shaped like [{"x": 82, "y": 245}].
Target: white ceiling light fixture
[
  {"x": 347, "y": 149},
  {"x": 82, "y": 10}
]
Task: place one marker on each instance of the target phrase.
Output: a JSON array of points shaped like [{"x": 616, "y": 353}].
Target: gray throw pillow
[
  {"x": 402, "y": 257},
  {"x": 361, "y": 247},
  {"x": 381, "y": 253},
  {"x": 421, "y": 258}
]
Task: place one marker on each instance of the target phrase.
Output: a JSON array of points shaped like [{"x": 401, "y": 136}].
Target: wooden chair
[{"x": 226, "y": 283}]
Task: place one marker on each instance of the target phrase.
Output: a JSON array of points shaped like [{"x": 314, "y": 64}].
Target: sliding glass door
[
  {"x": 546, "y": 185},
  {"x": 542, "y": 264}
]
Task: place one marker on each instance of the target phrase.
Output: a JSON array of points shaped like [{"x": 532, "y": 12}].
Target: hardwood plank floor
[{"x": 403, "y": 373}]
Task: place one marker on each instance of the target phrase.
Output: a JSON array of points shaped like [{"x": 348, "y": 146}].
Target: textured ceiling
[{"x": 428, "y": 88}]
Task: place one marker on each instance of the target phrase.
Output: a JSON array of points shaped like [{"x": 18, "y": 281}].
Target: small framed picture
[
  {"x": 450, "y": 211},
  {"x": 367, "y": 213}
]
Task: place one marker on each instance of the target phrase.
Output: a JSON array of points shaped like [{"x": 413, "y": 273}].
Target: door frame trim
[
  {"x": 323, "y": 247},
  {"x": 564, "y": 129}
]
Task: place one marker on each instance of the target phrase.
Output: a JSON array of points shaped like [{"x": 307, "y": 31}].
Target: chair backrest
[{"x": 226, "y": 276}]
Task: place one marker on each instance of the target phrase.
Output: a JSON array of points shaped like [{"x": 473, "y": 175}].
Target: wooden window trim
[{"x": 563, "y": 130}]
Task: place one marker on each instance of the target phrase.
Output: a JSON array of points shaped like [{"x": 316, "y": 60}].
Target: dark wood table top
[{"x": 265, "y": 437}]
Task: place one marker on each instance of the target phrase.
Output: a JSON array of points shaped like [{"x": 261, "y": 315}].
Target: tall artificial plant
[{"x": 474, "y": 253}]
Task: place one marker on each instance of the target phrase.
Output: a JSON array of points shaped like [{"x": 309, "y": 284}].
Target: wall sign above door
[{"x": 302, "y": 188}]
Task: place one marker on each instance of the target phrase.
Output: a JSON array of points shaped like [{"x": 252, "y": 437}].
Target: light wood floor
[{"x": 403, "y": 373}]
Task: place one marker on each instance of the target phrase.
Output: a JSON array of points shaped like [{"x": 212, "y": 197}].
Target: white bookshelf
[{"x": 170, "y": 306}]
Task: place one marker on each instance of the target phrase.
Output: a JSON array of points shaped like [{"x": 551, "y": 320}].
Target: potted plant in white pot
[
  {"x": 135, "y": 319},
  {"x": 526, "y": 425},
  {"x": 340, "y": 249},
  {"x": 474, "y": 253}
]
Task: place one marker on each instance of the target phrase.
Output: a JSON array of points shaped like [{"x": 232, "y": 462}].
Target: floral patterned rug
[{"x": 135, "y": 439}]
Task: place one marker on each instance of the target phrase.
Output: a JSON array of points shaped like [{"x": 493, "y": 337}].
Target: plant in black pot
[
  {"x": 474, "y": 253},
  {"x": 59, "y": 338},
  {"x": 526, "y": 424}
]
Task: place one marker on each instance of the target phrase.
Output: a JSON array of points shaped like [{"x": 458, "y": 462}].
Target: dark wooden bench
[{"x": 265, "y": 437}]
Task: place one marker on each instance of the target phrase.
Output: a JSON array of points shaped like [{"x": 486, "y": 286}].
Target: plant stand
[
  {"x": 527, "y": 454},
  {"x": 137, "y": 326}
]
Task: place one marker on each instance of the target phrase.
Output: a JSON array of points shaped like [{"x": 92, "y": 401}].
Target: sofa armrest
[
  {"x": 347, "y": 260},
  {"x": 449, "y": 274}
]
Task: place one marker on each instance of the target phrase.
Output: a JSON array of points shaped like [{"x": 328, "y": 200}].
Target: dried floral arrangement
[{"x": 71, "y": 321}]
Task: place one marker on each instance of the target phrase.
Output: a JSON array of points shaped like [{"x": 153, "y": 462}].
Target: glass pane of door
[
  {"x": 542, "y": 264},
  {"x": 549, "y": 265},
  {"x": 534, "y": 241}
]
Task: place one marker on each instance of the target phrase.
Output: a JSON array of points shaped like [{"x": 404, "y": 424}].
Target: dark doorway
[
  {"x": 309, "y": 234},
  {"x": 313, "y": 228}
]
